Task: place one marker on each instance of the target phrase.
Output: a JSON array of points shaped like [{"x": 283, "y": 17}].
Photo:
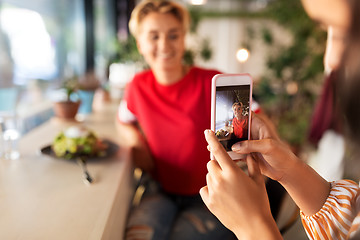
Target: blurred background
[{"x": 46, "y": 43}]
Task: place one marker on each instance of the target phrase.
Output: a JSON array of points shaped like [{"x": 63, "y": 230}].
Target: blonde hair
[
  {"x": 237, "y": 104},
  {"x": 159, "y": 6}
]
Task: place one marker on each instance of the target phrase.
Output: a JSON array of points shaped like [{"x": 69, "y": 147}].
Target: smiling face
[
  {"x": 161, "y": 41},
  {"x": 238, "y": 109}
]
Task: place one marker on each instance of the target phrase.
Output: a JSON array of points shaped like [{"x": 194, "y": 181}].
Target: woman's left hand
[{"x": 239, "y": 201}]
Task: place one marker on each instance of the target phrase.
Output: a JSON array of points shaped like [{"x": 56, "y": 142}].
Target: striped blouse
[{"x": 339, "y": 218}]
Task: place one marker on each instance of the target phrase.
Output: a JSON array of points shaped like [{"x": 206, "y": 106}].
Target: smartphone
[{"x": 231, "y": 97}]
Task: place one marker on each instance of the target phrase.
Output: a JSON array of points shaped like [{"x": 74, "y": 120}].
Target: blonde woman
[{"x": 162, "y": 117}]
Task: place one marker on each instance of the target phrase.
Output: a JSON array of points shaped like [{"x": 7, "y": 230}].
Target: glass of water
[{"x": 10, "y": 135}]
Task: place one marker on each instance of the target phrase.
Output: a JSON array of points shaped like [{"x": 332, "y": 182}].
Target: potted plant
[{"x": 68, "y": 108}]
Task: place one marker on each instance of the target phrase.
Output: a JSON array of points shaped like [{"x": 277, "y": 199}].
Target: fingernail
[
  {"x": 236, "y": 146},
  {"x": 207, "y": 131}
]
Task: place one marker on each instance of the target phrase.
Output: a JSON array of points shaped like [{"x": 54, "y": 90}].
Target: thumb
[{"x": 218, "y": 151}]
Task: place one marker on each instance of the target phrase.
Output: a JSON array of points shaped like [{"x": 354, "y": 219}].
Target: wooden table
[{"x": 44, "y": 198}]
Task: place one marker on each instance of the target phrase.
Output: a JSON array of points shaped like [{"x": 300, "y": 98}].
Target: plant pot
[{"x": 66, "y": 110}]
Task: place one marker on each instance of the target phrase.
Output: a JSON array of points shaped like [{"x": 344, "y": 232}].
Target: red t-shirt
[
  {"x": 173, "y": 119},
  {"x": 240, "y": 127}
]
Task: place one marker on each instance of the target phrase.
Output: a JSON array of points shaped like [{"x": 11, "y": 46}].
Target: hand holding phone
[{"x": 231, "y": 97}]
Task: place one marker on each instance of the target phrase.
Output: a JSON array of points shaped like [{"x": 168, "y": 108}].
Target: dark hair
[{"x": 349, "y": 94}]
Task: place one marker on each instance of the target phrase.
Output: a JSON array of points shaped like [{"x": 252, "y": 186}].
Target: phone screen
[{"x": 232, "y": 114}]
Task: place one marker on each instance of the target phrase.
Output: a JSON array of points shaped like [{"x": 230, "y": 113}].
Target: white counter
[{"x": 44, "y": 198}]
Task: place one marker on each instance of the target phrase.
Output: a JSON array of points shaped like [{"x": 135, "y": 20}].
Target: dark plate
[{"x": 111, "y": 149}]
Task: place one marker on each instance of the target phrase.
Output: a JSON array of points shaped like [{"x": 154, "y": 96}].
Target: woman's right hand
[
  {"x": 274, "y": 157},
  {"x": 238, "y": 200}
]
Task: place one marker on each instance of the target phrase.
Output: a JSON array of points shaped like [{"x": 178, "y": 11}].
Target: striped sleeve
[{"x": 335, "y": 218}]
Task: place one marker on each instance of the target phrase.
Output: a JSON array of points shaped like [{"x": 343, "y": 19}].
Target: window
[
  {"x": 44, "y": 42},
  {"x": 45, "y": 38}
]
